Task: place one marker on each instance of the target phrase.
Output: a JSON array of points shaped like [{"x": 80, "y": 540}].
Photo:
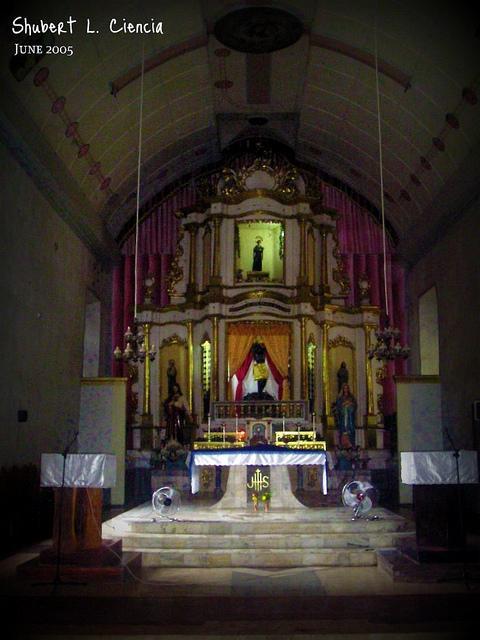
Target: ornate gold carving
[
  {"x": 176, "y": 271},
  {"x": 175, "y": 339},
  {"x": 340, "y": 341},
  {"x": 340, "y": 275},
  {"x": 206, "y": 477},
  {"x": 231, "y": 185},
  {"x": 364, "y": 288},
  {"x": 381, "y": 374}
]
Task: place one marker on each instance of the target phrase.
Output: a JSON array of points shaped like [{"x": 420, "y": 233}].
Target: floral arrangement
[
  {"x": 266, "y": 496},
  {"x": 173, "y": 451}
]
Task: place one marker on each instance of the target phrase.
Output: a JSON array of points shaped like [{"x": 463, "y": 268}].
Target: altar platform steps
[
  {"x": 304, "y": 537},
  {"x": 267, "y": 524},
  {"x": 259, "y": 558}
]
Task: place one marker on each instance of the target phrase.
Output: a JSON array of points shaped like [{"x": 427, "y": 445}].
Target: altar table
[{"x": 261, "y": 456}]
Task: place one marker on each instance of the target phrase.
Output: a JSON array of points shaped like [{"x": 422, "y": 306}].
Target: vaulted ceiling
[{"x": 317, "y": 95}]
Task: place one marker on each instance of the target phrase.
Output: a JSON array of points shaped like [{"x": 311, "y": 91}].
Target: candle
[
  {"x": 298, "y": 432},
  {"x": 209, "y": 427},
  {"x": 223, "y": 433},
  {"x": 236, "y": 426},
  {"x": 283, "y": 423},
  {"x": 313, "y": 427}
]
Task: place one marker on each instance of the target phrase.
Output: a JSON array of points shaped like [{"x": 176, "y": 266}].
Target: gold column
[
  {"x": 146, "y": 415},
  {"x": 190, "y": 364},
  {"x": 192, "y": 230},
  {"x": 217, "y": 221},
  {"x": 303, "y": 250},
  {"x": 369, "y": 371},
  {"x": 325, "y": 371},
  {"x": 214, "y": 358},
  {"x": 303, "y": 359},
  {"x": 324, "y": 286}
]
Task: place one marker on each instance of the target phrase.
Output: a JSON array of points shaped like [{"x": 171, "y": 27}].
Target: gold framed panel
[
  {"x": 341, "y": 349},
  {"x": 173, "y": 348},
  {"x": 237, "y": 242},
  {"x": 259, "y": 323}
]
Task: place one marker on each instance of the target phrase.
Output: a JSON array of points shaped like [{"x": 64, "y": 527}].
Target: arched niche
[{"x": 341, "y": 349}]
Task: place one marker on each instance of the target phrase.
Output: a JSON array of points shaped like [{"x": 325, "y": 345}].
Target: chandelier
[
  {"x": 388, "y": 346},
  {"x": 136, "y": 349}
]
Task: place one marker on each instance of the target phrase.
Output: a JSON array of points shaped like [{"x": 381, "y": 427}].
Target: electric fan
[
  {"x": 358, "y": 496},
  {"x": 166, "y": 502}
]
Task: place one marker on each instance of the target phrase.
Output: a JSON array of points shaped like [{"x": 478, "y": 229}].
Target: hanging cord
[
  {"x": 380, "y": 158},
  {"x": 137, "y": 217}
]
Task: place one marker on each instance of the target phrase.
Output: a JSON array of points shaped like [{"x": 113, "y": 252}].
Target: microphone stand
[
  {"x": 57, "y": 579},
  {"x": 456, "y": 455}
]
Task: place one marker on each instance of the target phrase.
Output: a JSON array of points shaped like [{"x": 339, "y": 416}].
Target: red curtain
[
  {"x": 276, "y": 374},
  {"x": 241, "y": 372}
]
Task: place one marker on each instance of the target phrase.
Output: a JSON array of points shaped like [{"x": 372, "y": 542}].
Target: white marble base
[{"x": 236, "y": 494}]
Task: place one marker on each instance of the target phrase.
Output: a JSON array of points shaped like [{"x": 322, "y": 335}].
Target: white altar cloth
[
  {"x": 92, "y": 470},
  {"x": 252, "y": 456},
  {"x": 438, "y": 467}
]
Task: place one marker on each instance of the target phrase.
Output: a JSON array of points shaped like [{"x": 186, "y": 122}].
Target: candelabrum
[
  {"x": 388, "y": 345},
  {"x": 137, "y": 348}
]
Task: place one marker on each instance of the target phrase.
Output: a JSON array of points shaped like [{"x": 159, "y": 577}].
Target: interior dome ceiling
[{"x": 318, "y": 95}]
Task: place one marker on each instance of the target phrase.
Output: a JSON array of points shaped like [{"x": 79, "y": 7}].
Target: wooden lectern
[
  {"x": 77, "y": 524},
  {"x": 440, "y": 534},
  {"x": 78, "y": 548}
]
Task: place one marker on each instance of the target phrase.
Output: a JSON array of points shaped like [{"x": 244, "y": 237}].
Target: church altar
[
  {"x": 254, "y": 456},
  {"x": 271, "y": 340}
]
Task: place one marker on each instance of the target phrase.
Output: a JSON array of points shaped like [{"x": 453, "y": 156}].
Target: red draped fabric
[
  {"x": 241, "y": 372},
  {"x": 361, "y": 246},
  {"x": 276, "y": 374}
]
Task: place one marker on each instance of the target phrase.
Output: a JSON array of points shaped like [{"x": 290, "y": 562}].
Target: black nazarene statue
[
  {"x": 257, "y": 256},
  {"x": 260, "y": 370}
]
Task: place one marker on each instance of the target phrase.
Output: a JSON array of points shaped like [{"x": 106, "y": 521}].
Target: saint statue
[
  {"x": 342, "y": 376},
  {"x": 176, "y": 414},
  {"x": 258, "y": 256},
  {"x": 345, "y": 413},
  {"x": 171, "y": 376},
  {"x": 260, "y": 370}
]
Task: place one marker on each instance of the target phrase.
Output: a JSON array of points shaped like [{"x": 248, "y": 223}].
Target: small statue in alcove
[
  {"x": 342, "y": 376},
  {"x": 171, "y": 376},
  {"x": 257, "y": 255}
]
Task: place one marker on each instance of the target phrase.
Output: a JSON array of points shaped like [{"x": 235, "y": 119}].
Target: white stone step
[
  {"x": 259, "y": 558},
  {"x": 263, "y": 524},
  {"x": 164, "y": 541}
]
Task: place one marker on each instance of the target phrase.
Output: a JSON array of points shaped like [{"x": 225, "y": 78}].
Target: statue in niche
[
  {"x": 342, "y": 376},
  {"x": 171, "y": 377},
  {"x": 258, "y": 255},
  {"x": 260, "y": 370},
  {"x": 345, "y": 416},
  {"x": 176, "y": 415}
]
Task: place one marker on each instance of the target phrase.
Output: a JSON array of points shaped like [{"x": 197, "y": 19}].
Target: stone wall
[
  {"x": 453, "y": 267},
  {"x": 45, "y": 273}
]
